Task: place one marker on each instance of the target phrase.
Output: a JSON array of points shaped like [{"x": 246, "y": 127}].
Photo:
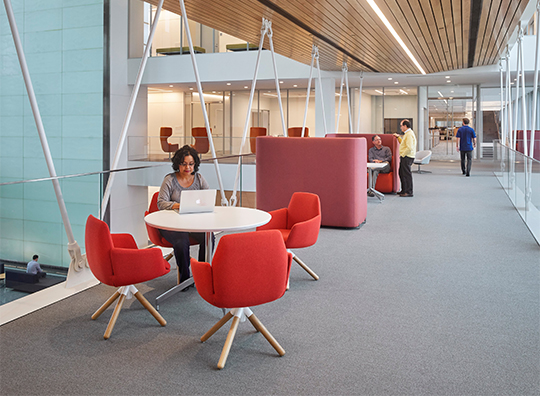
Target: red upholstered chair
[
  {"x": 164, "y": 134},
  {"x": 247, "y": 269},
  {"x": 155, "y": 237},
  {"x": 253, "y": 133},
  {"x": 115, "y": 260},
  {"x": 297, "y": 132},
  {"x": 299, "y": 224},
  {"x": 201, "y": 144}
]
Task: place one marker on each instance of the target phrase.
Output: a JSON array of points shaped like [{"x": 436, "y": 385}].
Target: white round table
[{"x": 223, "y": 218}]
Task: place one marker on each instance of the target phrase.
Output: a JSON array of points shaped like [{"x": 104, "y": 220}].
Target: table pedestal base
[{"x": 172, "y": 291}]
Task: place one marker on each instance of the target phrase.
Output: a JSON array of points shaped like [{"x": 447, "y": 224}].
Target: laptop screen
[{"x": 197, "y": 201}]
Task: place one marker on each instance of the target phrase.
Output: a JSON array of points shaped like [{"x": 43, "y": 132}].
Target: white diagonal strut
[
  {"x": 343, "y": 71},
  {"x": 523, "y": 96},
  {"x": 224, "y": 201},
  {"x": 264, "y": 30},
  {"x": 77, "y": 260},
  {"x": 359, "y": 102},
  {"x": 129, "y": 113},
  {"x": 314, "y": 51},
  {"x": 535, "y": 86}
]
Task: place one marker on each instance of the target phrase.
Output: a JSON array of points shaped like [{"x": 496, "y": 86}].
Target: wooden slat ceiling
[{"x": 443, "y": 35}]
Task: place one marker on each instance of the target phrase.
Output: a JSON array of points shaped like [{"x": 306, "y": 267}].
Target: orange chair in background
[
  {"x": 299, "y": 224},
  {"x": 247, "y": 269},
  {"x": 115, "y": 260},
  {"x": 157, "y": 239},
  {"x": 253, "y": 133},
  {"x": 164, "y": 134},
  {"x": 297, "y": 132},
  {"x": 201, "y": 144}
]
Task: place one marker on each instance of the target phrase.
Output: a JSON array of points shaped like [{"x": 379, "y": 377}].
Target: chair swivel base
[
  {"x": 238, "y": 313},
  {"x": 172, "y": 291},
  {"x": 304, "y": 266},
  {"x": 125, "y": 292}
]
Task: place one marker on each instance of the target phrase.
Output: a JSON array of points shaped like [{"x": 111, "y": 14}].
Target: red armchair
[
  {"x": 202, "y": 145},
  {"x": 115, "y": 260},
  {"x": 155, "y": 237},
  {"x": 297, "y": 132},
  {"x": 253, "y": 133},
  {"x": 299, "y": 224},
  {"x": 247, "y": 269},
  {"x": 164, "y": 134}
]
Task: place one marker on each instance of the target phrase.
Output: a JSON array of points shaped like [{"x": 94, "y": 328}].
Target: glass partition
[{"x": 519, "y": 175}]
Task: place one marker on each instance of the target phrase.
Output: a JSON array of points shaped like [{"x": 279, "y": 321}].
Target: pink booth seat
[
  {"x": 332, "y": 168},
  {"x": 519, "y": 143},
  {"x": 386, "y": 182}
]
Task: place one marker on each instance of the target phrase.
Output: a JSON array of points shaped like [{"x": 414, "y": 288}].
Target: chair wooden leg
[
  {"x": 114, "y": 316},
  {"x": 169, "y": 256},
  {"x": 150, "y": 308},
  {"x": 305, "y": 267},
  {"x": 228, "y": 343},
  {"x": 260, "y": 327},
  {"x": 217, "y": 326},
  {"x": 106, "y": 305}
]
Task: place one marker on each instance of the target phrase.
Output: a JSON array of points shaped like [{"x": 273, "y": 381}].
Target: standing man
[
  {"x": 379, "y": 154},
  {"x": 465, "y": 144},
  {"x": 33, "y": 267},
  {"x": 407, "y": 152}
]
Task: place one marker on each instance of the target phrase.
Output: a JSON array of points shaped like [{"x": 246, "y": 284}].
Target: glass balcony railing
[
  {"x": 31, "y": 223},
  {"x": 519, "y": 175},
  {"x": 157, "y": 149}
]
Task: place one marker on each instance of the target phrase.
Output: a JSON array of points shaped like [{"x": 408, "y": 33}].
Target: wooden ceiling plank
[
  {"x": 450, "y": 31},
  {"x": 465, "y": 26},
  {"x": 441, "y": 30},
  {"x": 456, "y": 15},
  {"x": 489, "y": 42},
  {"x": 482, "y": 30}
]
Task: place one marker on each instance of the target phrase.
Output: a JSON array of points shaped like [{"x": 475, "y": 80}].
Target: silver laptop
[{"x": 197, "y": 201}]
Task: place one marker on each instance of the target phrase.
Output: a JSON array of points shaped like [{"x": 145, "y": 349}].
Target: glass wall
[{"x": 63, "y": 43}]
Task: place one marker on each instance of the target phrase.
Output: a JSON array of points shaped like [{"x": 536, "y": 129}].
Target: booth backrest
[
  {"x": 519, "y": 143},
  {"x": 388, "y": 141},
  {"x": 329, "y": 167}
]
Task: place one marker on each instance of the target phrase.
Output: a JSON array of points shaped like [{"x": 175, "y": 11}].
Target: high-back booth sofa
[
  {"x": 386, "y": 182},
  {"x": 332, "y": 168}
]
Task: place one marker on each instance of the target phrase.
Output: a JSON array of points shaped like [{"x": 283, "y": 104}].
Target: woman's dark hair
[{"x": 182, "y": 153}]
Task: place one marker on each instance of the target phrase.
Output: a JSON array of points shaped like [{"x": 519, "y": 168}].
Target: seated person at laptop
[
  {"x": 185, "y": 164},
  {"x": 379, "y": 153},
  {"x": 33, "y": 267}
]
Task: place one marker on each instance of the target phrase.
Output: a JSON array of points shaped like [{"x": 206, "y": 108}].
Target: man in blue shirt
[
  {"x": 33, "y": 267},
  {"x": 466, "y": 143}
]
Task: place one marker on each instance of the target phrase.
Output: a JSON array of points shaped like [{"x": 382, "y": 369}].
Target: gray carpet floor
[{"x": 434, "y": 295}]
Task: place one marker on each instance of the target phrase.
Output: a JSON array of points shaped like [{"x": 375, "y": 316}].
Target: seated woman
[{"x": 185, "y": 164}]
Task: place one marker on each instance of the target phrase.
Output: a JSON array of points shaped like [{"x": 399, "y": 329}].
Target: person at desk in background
[
  {"x": 379, "y": 154},
  {"x": 465, "y": 144},
  {"x": 407, "y": 152},
  {"x": 34, "y": 268},
  {"x": 185, "y": 164}
]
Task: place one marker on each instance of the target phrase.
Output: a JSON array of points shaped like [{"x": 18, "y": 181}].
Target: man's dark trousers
[
  {"x": 466, "y": 168},
  {"x": 405, "y": 174}
]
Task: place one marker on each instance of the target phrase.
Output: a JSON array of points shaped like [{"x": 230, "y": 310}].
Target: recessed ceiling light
[
  {"x": 447, "y": 77},
  {"x": 190, "y": 88},
  {"x": 295, "y": 85},
  {"x": 395, "y": 82},
  {"x": 451, "y": 91},
  {"x": 389, "y": 78},
  {"x": 394, "y": 33},
  {"x": 213, "y": 91},
  {"x": 228, "y": 83},
  {"x": 448, "y": 81},
  {"x": 171, "y": 86},
  {"x": 246, "y": 86},
  {"x": 281, "y": 82}
]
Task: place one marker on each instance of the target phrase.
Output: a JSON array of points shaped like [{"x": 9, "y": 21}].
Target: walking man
[
  {"x": 407, "y": 152},
  {"x": 465, "y": 144}
]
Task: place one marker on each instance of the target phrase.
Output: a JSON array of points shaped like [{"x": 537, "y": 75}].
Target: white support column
[
  {"x": 422, "y": 117},
  {"x": 313, "y": 55},
  {"x": 523, "y": 95},
  {"x": 359, "y": 102}
]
